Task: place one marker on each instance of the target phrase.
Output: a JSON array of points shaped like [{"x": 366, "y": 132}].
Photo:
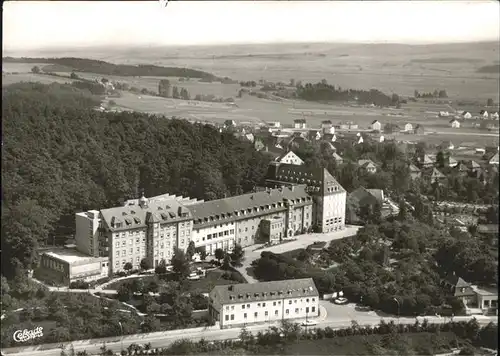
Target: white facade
[
  {"x": 408, "y": 127},
  {"x": 235, "y": 315},
  {"x": 467, "y": 115},
  {"x": 376, "y": 125},
  {"x": 455, "y": 124},
  {"x": 86, "y": 234},
  {"x": 299, "y": 125},
  {"x": 291, "y": 158},
  {"x": 217, "y": 236},
  {"x": 334, "y": 211}
]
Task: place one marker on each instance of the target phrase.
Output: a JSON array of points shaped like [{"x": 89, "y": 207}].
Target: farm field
[{"x": 390, "y": 68}]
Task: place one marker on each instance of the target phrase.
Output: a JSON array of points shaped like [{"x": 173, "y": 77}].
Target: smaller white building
[
  {"x": 299, "y": 123},
  {"x": 494, "y": 116},
  {"x": 408, "y": 127},
  {"x": 444, "y": 114},
  {"x": 290, "y": 158},
  {"x": 467, "y": 115},
  {"x": 376, "y": 125},
  {"x": 455, "y": 124},
  {"x": 238, "y": 305}
]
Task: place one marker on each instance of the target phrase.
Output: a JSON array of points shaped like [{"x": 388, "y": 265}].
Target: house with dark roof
[
  {"x": 238, "y": 305},
  {"x": 326, "y": 124},
  {"x": 459, "y": 288},
  {"x": 290, "y": 158},
  {"x": 376, "y": 125},
  {"x": 436, "y": 176},
  {"x": 363, "y": 198},
  {"x": 299, "y": 123},
  {"x": 414, "y": 171},
  {"x": 330, "y": 196},
  {"x": 367, "y": 165},
  {"x": 426, "y": 161}
]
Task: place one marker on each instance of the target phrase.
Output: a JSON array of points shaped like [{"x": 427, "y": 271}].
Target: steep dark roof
[
  {"x": 247, "y": 205},
  {"x": 360, "y": 197},
  {"x": 263, "y": 291},
  {"x": 300, "y": 121},
  {"x": 318, "y": 180}
]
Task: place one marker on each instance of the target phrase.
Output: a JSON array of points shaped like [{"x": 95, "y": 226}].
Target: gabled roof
[
  {"x": 299, "y": 121},
  {"x": 437, "y": 174},
  {"x": 326, "y": 121},
  {"x": 474, "y": 165},
  {"x": 452, "y": 120},
  {"x": 456, "y": 281},
  {"x": 375, "y": 121},
  {"x": 361, "y": 196},
  {"x": 494, "y": 159},
  {"x": 364, "y": 163},
  {"x": 413, "y": 168},
  {"x": 263, "y": 291},
  {"x": 336, "y": 157},
  {"x": 135, "y": 216}
]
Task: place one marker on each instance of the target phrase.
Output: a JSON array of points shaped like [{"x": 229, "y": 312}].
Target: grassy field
[{"x": 390, "y": 68}]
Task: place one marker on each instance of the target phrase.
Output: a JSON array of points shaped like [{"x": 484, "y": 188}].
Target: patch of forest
[
  {"x": 105, "y": 68},
  {"x": 494, "y": 68},
  {"x": 61, "y": 156}
]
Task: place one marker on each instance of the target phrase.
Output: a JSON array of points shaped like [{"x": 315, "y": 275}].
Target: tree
[
  {"x": 191, "y": 250},
  {"x": 219, "y": 254},
  {"x": 128, "y": 266},
  {"x": 112, "y": 103},
  {"x": 73, "y": 75},
  {"x": 443, "y": 94},
  {"x": 237, "y": 254},
  {"x": 162, "y": 267},
  {"x": 490, "y": 102},
  {"x": 402, "y": 216},
  {"x": 202, "y": 251},
  {"x": 164, "y": 88},
  {"x": 124, "y": 293},
  {"x": 292, "y": 82},
  {"x": 180, "y": 264},
  {"x": 175, "y": 92},
  {"x": 145, "y": 265},
  {"x": 416, "y": 94},
  {"x": 226, "y": 264},
  {"x": 35, "y": 69},
  {"x": 440, "y": 159}
]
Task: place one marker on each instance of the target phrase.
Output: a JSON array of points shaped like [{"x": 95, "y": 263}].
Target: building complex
[{"x": 293, "y": 200}]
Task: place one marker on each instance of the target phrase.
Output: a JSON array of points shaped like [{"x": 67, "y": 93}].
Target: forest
[
  {"x": 325, "y": 92},
  {"x": 61, "y": 156},
  {"x": 105, "y": 68}
]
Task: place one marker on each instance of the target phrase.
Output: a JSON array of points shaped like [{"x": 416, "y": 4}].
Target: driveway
[{"x": 302, "y": 242}]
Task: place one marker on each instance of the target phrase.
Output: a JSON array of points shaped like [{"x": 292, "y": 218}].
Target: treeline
[
  {"x": 435, "y": 94},
  {"x": 61, "y": 156},
  {"x": 494, "y": 68},
  {"x": 326, "y": 92},
  {"x": 105, "y": 68},
  {"x": 370, "y": 273},
  {"x": 383, "y": 339}
]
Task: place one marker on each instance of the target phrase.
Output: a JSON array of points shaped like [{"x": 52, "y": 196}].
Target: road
[
  {"x": 302, "y": 242},
  {"x": 163, "y": 339}
]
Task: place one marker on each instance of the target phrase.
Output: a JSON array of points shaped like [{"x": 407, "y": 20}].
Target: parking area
[{"x": 346, "y": 312}]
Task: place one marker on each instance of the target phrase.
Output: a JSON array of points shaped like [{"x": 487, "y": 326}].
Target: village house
[
  {"x": 483, "y": 114},
  {"x": 475, "y": 169},
  {"x": 229, "y": 123},
  {"x": 450, "y": 162},
  {"x": 299, "y": 123},
  {"x": 426, "y": 161},
  {"x": 414, "y": 171},
  {"x": 467, "y": 115},
  {"x": 494, "y": 116},
  {"x": 274, "y": 124},
  {"x": 338, "y": 159},
  {"x": 408, "y": 128},
  {"x": 494, "y": 160},
  {"x": 326, "y": 124},
  {"x": 444, "y": 114},
  {"x": 446, "y": 146},
  {"x": 329, "y": 130},
  {"x": 363, "y": 197},
  {"x": 436, "y": 176},
  {"x": 314, "y": 135},
  {"x": 461, "y": 169},
  {"x": 376, "y": 125},
  {"x": 290, "y": 158},
  {"x": 329, "y": 137},
  {"x": 455, "y": 124},
  {"x": 367, "y": 165},
  {"x": 477, "y": 300}
]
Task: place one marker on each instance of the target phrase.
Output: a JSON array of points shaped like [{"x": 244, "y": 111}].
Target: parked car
[{"x": 309, "y": 323}]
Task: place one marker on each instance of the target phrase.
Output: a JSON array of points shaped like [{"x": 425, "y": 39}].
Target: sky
[{"x": 37, "y": 25}]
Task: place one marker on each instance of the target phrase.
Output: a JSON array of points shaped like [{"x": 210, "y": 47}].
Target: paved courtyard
[{"x": 302, "y": 242}]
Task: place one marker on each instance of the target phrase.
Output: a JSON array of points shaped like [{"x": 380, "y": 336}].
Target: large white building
[
  {"x": 239, "y": 305},
  {"x": 290, "y": 158},
  {"x": 151, "y": 229}
]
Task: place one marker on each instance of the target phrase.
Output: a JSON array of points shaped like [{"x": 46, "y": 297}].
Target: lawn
[{"x": 203, "y": 285}]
